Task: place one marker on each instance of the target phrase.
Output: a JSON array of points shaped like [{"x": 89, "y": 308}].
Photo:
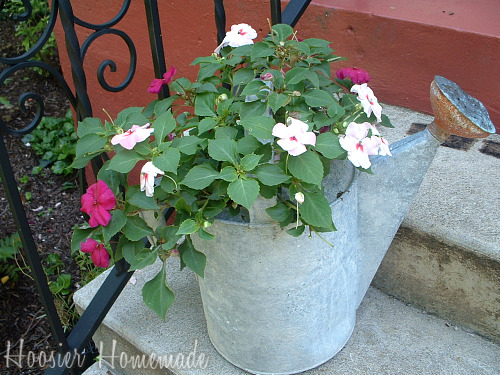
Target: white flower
[
  {"x": 148, "y": 174},
  {"x": 132, "y": 136},
  {"x": 358, "y": 145},
  {"x": 240, "y": 35},
  {"x": 294, "y": 137},
  {"x": 368, "y": 100}
]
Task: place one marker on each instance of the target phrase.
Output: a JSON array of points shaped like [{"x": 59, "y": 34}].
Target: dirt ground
[{"x": 51, "y": 213}]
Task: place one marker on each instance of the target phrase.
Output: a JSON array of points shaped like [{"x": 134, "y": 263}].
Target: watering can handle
[{"x": 456, "y": 112}]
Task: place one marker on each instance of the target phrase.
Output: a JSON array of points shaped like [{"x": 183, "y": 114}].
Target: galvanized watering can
[{"x": 276, "y": 304}]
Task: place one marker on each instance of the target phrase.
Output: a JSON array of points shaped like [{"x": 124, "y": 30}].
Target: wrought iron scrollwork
[
  {"x": 34, "y": 99},
  {"x": 110, "y": 63}
]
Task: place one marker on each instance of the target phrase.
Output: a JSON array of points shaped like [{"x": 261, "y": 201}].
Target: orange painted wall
[{"x": 402, "y": 49}]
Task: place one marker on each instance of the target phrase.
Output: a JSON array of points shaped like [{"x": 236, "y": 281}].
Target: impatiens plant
[{"x": 262, "y": 119}]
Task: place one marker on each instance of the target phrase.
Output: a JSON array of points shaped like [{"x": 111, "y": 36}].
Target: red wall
[{"x": 402, "y": 48}]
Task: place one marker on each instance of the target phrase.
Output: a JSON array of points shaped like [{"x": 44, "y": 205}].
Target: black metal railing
[{"x": 75, "y": 344}]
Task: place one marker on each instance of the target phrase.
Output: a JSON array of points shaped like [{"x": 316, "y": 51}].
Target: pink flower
[
  {"x": 147, "y": 178},
  {"x": 368, "y": 100},
  {"x": 97, "y": 202},
  {"x": 240, "y": 35},
  {"x": 294, "y": 137},
  {"x": 132, "y": 136},
  {"x": 357, "y": 75},
  {"x": 267, "y": 76},
  {"x": 99, "y": 254},
  {"x": 358, "y": 145},
  {"x": 158, "y": 83}
]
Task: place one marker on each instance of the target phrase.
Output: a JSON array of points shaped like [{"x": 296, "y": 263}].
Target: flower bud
[{"x": 299, "y": 197}]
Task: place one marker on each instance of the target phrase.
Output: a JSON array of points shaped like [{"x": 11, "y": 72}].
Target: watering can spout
[{"x": 385, "y": 197}]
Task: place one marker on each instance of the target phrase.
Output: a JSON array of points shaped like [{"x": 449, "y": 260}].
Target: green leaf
[
  {"x": 118, "y": 220},
  {"x": 386, "y": 122},
  {"x": 89, "y": 125},
  {"x": 271, "y": 174},
  {"x": 276, "y": 101},
  {"x": 124, "y": 161},
  {"x": 206, "y": 124},
  {"x": 157, "y": 295},
  {"x": 254, "y": 87},
  {"x": 204, "y": 235},
  {"x": 164, "y": 125},
  {"x": 335, "y": 110},
  {"x": 259, "y": 127},
  {"x": 252, "y": 109},
  {"x": 193, "y": 258},
  {"x": 295, "y": 75},
  {"x": 228, "y": 174},
  {"x": 168, "y": 233},
  {"x": 164, "y": 104},
  {"x": 204, "y": 104},
  {"x": 188, "y": 226},
  {"x": 283, "y": 31},
  {"x": 316, "y": 210},
  {"x": 227, "y": 132},
  {"x": 248, "y": 144},
  {"x": 200, "y": 176},
  {"x": 249, "y": 162},
  {"x": 90, "y": 143},
  {"x": 136, "y": 229},
  {"x": 261, "y": 49},
  {"x": 243, "y": 76},
  {"x": 143, "y": 258},
  {"x": 306, "y": 167},
  {"x": 296, "y": 232},
  {"x": 328, "y": 145},
  {"x": 168, "y": 160},
  {"x": 222, "y": 149},
  {"x": 140, "y": 200},
  {"x": 130, "y": 248},
  {"x": 318, "y": 98},
  {"x": 243, "y": 191},
  {"x": 187, "y": 144},
  {"x": 279, "y": 212}
]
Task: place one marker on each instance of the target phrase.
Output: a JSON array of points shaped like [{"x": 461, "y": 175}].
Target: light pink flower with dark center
[
  {"x": 97, "y": 251},
  {"x": 240, "y": 35},
  {"x": 97, "y": 202},
  {"x": 356, "y": 75},
  {"x": 368, "y": 101},
  {"x": 135, "y": 134},
  {"x": 158, "y": 83},
  {"x": 294, "y": 137},
  {"x": 358, "y": 145}
]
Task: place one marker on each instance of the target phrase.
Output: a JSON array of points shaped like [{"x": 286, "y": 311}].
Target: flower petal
[
  {"x": 100, "y": 257},
  {"x": 88, "y": 246}
]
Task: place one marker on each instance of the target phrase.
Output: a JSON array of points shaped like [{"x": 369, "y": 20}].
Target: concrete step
[
  {"x": 391, "y": 337},
  {"x": 445, "y": 257}
]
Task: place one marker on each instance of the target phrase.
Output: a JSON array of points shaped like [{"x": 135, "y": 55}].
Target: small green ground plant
[
  {"x": 9, "y": 265},
  {"x": 54, "y": 142},
  {"x": 32, "y": 28}
]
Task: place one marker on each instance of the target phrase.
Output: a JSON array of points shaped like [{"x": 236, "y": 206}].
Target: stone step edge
[{"x": 451, "y": 281}]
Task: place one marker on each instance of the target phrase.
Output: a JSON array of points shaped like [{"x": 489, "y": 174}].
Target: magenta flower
[
  {"x": 99, "y": 254},
  {"x": 158, "y": 83},
  {"x": 357, "y": 75},
  {"x": 294, "y": 137},
  {"x": 132, "y": 136},
  {"x": 97, "y": 202}
]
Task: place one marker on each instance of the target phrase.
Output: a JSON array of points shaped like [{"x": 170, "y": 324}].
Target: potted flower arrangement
[{"x": 252, "y": 141}]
